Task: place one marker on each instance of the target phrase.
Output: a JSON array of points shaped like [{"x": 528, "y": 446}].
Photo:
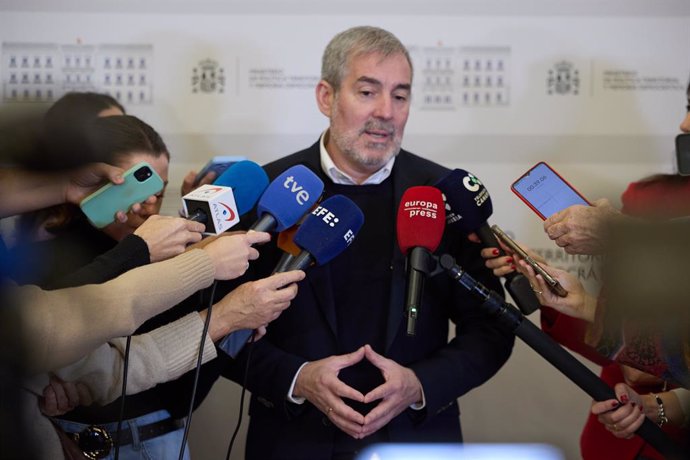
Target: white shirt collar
[{"x": 339, "y": 177}]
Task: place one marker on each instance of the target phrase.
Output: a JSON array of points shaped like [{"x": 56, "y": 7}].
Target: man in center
[{"x": 337, "y": 370}]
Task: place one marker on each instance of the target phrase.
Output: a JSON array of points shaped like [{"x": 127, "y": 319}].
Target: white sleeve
[{"x": 290, "y": 397}]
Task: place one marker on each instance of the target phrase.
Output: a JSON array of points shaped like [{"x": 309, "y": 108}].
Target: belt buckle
[{"x": 95, "y": 442}]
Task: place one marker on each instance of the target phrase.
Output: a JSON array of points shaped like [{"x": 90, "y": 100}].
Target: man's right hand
[
  {"x": 318, "y": 382},
  {"x": 168, "y": 236},
  {"x": 231, "y": 253}
]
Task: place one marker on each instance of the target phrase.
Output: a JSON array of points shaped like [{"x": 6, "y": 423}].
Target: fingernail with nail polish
[{"x": 624, "y": 399}]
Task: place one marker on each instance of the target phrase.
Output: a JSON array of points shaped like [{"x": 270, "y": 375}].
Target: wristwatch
[{"x": 661, "y": 412}]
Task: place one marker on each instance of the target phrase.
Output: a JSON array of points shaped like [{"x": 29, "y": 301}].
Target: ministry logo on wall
[
  {"x": 208, "y": 77},
  {"x": 563, "y": 78}
]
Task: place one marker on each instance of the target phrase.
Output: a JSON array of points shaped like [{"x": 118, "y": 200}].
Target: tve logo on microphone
[{"x": 301, "y": 195}]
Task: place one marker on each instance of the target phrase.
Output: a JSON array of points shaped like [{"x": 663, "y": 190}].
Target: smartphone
[
  {"x": 218, "y": 165},
  {"x": 552, "y": 282},
  {"x": 141, "y": 181},
  {"x": 545, "y": 191},
  {"x": 683, "y": 154}
]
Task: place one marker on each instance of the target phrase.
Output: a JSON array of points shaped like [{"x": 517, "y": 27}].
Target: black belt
[{"x": 96, "y": 442}]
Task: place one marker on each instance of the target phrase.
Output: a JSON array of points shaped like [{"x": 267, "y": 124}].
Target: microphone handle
[
  {"x": 415, "y": 286},
  {"x": 300, "y": 262},
  {"x": 198, "y": 216},
  {"x": 516, "y": 283},
  {"x": 284, "y": 262},
  {"x": 584, "y": 378},
  {"x": 555, "y": 354},
  {"x": 266, "y": 223},
  {"x": 234, "y": 342},
  {"x": 522, "y": 292},
  {"x": 419, "y": 265}
]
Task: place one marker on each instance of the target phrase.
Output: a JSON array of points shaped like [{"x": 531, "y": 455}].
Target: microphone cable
[
  {"x": 125, "y": 369},
  {"x": 250, "y": 346},
  {"x": 200, "y": 357}
]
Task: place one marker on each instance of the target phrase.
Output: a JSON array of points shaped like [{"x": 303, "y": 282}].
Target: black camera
[
  {"x": 143, "y": 173},
  {"x": 683, "y": 154}
]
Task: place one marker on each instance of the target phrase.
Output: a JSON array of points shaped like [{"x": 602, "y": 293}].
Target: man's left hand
[{"x": 401, "y": 389}]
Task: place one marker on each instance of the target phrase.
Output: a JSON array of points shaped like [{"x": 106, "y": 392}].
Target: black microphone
[
  {"x": 556, "y": 355},
  {"x": 468, "y": 208}
]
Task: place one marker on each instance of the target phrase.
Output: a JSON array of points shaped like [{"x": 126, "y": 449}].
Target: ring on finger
[{"x": 328, "y": 411}]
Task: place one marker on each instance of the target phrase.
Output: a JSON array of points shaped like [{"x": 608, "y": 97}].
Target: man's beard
[{"x": 346, "y": 144}]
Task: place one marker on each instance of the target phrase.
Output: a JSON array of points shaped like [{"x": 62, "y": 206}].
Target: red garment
[
  {"x": 668, "y": 197},
  {"x": 662, "y": 197}
]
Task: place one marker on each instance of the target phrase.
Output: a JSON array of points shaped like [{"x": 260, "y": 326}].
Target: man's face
[{"x": 368, "y": 112}]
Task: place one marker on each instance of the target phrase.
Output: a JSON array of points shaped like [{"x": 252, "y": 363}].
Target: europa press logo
[
  {"x": 563, "y": 78},
  {"x": 208, "y": 77},
  {"x": 421, "y": 208}
]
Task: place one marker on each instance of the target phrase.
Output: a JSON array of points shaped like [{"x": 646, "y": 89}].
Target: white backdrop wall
[{"x": 238, "y": 79}]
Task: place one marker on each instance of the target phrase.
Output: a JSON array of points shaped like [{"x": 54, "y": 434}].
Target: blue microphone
[
  {"x": 220, "y": 205},
  {"x": 248, "y": 181},
  {"x": 327, "y": 231},
  {"x": 287, "y": 199}
]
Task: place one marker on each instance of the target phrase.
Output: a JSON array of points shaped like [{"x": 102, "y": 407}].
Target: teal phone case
[{"x": 101, "y": 206}]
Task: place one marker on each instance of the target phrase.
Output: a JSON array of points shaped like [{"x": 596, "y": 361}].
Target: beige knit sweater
[
  {"x": 74, "y": 324},
  {"x": 63, "y": 325}
]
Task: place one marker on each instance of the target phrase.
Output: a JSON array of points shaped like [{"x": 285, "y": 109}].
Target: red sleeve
[
  {"x": 629, "y": 198},
  {"x": 570, "y": 332}
]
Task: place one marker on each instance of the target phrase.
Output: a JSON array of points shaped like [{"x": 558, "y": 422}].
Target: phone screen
[{"x": 545, "y": 191}]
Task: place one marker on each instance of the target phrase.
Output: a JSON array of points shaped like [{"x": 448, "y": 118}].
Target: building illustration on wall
[
  {"x": 453, "y": 77},
  {"x": 43, "y": 72}
]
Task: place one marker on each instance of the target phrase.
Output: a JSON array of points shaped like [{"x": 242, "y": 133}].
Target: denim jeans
[{"x": 160, "y": 448}]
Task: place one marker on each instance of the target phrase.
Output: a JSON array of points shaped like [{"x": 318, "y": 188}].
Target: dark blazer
[{"x": 306, "y": 331}]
